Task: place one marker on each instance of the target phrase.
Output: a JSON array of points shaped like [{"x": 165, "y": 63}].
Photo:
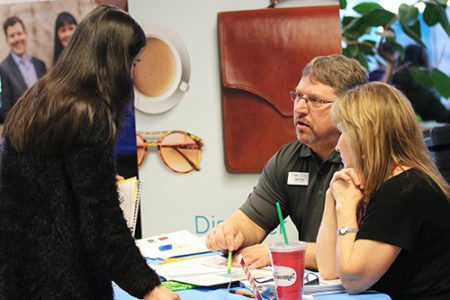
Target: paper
[
  {"x": 129, "y": 191},
  {"x": 205, "y": 271},
  {"x": 173, "y": 244}
]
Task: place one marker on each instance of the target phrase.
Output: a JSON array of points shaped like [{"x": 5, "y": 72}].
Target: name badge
[{"x": 298, "y": 178}]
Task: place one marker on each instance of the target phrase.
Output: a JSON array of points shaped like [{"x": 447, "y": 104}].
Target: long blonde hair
[{"x": 382, "y": 131}]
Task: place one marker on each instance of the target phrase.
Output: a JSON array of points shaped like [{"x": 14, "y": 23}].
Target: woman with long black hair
[{"x": 62, "y": 232}]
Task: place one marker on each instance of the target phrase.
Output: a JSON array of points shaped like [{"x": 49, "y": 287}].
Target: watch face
[{"x": 344, "y": 230}]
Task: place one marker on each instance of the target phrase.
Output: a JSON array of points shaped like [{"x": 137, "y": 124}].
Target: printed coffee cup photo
[{"x": 158, "y": 76}]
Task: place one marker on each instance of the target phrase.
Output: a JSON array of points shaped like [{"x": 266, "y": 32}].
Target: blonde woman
[{"x": 387, "y": 213}]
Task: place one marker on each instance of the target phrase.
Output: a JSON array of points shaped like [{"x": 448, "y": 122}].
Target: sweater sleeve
[{"x": 106, "y": 239}]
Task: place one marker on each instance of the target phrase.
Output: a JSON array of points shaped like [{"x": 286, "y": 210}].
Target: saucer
[{"x": 149, "y": 105}]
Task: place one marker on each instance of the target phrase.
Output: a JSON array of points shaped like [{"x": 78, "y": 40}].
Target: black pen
[{"x": 247, "y": 294}]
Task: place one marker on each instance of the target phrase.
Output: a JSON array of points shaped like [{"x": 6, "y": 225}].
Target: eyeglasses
[
  {"x": 179, "y": 150},
  {"x": 311, "y": 279},
  {"x": 316, "y": 103},
  {"x": 308, "y": 279}
]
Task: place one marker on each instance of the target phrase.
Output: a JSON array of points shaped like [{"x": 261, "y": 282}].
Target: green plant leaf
[
  {"x": 356, "y": 27},
  {"x": 346, "y": 20},
  {"x": 430, "y": 15},
  {"x": 366, "y": 49},
  {"x": 440, "y": 14},
  {"x": 342, "y": 4},
  {"x": 441, "y": 82},
  {"x": 399, "y": 48},
  {"x": 353, "y": 51},
  {"x": 362, "y": 60},
  {"x": 421, "y": 76},
  {"x": 443, "y": 2},
  {"x": 407, "y": 14},
  {"x": 345, "y": 52},
  {"x": 414, "y": 32},
  {"x": 379, "y": 17},
  {"x": 387, "y": 34},
  {"x": 365, "y": 7}
]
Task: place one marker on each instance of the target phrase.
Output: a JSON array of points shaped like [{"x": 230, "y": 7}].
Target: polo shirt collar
[
  {"x": 305, "y": 151},
  {"x": 334, "y": 157}
]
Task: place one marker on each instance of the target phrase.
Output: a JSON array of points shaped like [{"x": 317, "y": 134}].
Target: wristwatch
[{"x": 344, "y": 230}]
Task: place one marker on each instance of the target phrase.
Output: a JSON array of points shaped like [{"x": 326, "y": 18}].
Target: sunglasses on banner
[{"x": 179, "y": 150}]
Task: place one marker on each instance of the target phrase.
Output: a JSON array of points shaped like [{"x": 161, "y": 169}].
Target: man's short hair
[
  {"x": 337, "y": 71},
  {"x": 11, "y": 21}
]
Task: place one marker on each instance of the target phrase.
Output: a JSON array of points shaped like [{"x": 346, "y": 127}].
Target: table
[{"x": 220, "y": 294}]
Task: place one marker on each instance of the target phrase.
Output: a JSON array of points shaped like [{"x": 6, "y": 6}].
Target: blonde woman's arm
[
  {"x": 326, "y": 240},
  {"x": 360, "y": 263}
]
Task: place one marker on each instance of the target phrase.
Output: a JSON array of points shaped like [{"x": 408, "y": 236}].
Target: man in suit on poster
[{"x": 19, "y": 70}]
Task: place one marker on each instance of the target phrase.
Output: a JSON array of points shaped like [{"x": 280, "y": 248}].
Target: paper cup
[{"x": 288, "y": 263}]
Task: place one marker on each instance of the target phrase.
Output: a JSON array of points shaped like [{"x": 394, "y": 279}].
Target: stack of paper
[
  {"x": 208, "y": 270},
  {"x": 129, "y": 191},
  {"x": 173, "y": 244}
]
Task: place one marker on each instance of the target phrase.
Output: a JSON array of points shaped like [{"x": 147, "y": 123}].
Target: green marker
[{"x": 230, "y": 257}]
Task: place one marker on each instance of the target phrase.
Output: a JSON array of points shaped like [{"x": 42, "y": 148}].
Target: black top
[
  {"x": 410, "y": 212},
  {"x": 62, "y": 232},
  {"x": 304, "y": 201}
]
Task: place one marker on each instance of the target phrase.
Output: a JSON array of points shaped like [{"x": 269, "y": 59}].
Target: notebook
[{"x": 129, "y": 191}]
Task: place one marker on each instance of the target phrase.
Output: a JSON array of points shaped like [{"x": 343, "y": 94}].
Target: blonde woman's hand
[
  {"x": 161, "y": 293},
  {"x": 346, "y": 194},
  {"x": 348, "y": 174},
  {"x": 119, "y": 178}
]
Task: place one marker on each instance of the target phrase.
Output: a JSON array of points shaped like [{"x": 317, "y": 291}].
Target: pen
[
  {"x": 230, "y": 257},
  {"x": 247, "y": 294}
]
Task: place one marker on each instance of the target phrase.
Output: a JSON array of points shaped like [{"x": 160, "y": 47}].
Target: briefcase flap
[
  {"x": 264, "y": 51},
  {"x": 262, "y": 55}
]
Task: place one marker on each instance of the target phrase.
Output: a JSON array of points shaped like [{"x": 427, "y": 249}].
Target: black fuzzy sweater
[{"x": 62, "y": 233}]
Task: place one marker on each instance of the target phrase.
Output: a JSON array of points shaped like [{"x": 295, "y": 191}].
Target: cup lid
[{"x": 292, "y": 246}]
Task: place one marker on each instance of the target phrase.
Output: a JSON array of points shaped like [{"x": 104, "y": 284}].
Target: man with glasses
[{"x": 298, "y": 175}]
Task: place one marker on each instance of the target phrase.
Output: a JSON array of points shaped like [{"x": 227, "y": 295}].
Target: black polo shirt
[{"x": 297, "y": 178}]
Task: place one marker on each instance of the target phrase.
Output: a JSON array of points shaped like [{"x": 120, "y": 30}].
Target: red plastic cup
[{"x": 288, "y": 263}]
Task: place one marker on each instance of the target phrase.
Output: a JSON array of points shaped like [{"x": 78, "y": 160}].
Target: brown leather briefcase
[{"x": 262, "y": 55}]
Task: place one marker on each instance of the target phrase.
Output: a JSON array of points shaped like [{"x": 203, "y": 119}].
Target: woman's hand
[
  {"x": 347, "y": 175},
  {"x": 346, "y": 194},
  {"x": 119, "y": 178},
  {"x": 160, "y": 293},
  {"x": 346, "y": 189}
]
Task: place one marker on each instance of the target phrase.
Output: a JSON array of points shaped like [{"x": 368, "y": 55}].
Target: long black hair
[
  {"x": 88, "y": 88},
  {"x": 62, "y": 19}
]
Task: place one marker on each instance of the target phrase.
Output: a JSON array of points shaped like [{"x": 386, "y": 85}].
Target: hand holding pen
[{"x": 224, "y": 236}]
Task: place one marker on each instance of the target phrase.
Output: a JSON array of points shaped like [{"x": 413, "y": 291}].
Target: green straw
[{"x": 282, "y": 223}]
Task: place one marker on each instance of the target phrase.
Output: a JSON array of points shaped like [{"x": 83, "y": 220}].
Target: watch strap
[{"x": 345, "y": 230}]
